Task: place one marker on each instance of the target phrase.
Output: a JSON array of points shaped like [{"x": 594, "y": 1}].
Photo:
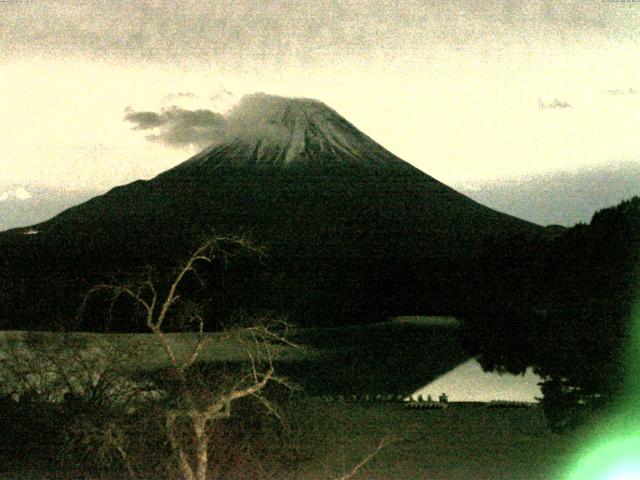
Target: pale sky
[{"x": 466, "y": 91}]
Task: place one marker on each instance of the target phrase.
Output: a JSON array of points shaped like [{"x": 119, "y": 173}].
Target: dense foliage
[
  {"x": 560, "y": 302},
  {"x": 82, "y": 438}
]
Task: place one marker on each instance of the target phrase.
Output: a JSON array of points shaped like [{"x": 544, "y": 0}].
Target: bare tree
[{"x": 258, "y": 339}]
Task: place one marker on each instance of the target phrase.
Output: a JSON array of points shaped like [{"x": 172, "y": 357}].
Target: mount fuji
[{"x": 354, "y": 233}]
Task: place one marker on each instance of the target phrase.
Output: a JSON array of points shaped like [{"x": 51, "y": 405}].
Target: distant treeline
[
  {"x": 560, "y": 302},
  {"x": 44, "y": 283}
]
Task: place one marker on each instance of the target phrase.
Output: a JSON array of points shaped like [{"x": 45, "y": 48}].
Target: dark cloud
[
  {"x": 179, "y": 127},
  {"x": 243, "y": 32},
  {"x": 144, "y": 120}
]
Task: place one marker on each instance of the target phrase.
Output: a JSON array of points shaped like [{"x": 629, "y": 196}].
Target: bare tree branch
[
  {"x": 385, "y": 441},
  {"x": 257, "y": 340},
  {"x": 201, "y": 341}
]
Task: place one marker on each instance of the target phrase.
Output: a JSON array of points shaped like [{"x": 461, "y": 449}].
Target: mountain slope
[{"x": 354, "y": 232}]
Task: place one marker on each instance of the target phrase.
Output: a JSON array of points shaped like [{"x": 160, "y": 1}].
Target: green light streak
[
  {"x": 613, "y": 449},
  {"x": 614, "y": 459}
]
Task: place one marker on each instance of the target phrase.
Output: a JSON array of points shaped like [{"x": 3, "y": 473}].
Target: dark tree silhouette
[{"x": 560, "y": 303}]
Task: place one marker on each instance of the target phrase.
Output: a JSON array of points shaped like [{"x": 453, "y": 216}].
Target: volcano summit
[
  {"x": 354, "y": 232},
  {"x": 281, "y": 132}
]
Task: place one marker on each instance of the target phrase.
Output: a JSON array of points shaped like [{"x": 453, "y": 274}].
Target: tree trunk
[
  {"x": 183, "y": 462},
  {"x": 199, "y": 425}
]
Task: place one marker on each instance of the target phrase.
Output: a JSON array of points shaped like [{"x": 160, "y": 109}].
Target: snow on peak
[
  {"x": 280, "y": 130},
  {"x": 292, "y": 124}
]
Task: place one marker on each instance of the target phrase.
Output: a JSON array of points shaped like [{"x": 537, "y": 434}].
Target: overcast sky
[{"x": 467, "y": 91}]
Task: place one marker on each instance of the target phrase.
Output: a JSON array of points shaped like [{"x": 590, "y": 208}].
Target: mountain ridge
[{"x": 354, "y": 232}]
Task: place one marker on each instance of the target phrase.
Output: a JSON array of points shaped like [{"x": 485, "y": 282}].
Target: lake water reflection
[{"x": 469, "y": 383}]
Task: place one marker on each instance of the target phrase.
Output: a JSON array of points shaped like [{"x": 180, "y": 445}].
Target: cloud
[
  {"x": 618, "y": 92},
  {"x": 144, "y": 120},
  {"x": 554, "y": 104},
  {"x": 238, "y": 32},
  {"x": 179, "y": 127},
  {"x": 255, "y": 116},
  {"x": 179, "y": 95},
  {"x": 564, "y": 198}
]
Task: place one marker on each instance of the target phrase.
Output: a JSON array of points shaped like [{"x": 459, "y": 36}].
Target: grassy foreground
[
  {"x": 465, "y": 442},
  {"x": 395, "y": 357}
]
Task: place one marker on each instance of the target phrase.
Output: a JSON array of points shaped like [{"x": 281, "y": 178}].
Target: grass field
[
  {"x": 390, "y": 357},
  {"x": 464, "y": 442}
]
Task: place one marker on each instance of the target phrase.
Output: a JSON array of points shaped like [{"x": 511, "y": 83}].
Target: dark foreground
[{"x": 464, "y": 442}]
